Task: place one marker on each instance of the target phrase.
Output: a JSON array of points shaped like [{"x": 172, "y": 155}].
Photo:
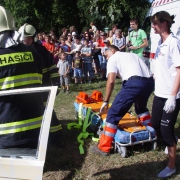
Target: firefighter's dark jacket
[
  {"x": 50, "y": 77},
  {"x": 50, "y": 70},
  {"x": 20, "y": 115}
]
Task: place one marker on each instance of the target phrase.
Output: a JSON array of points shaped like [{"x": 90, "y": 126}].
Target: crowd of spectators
[{"x": 84, "y": 51}]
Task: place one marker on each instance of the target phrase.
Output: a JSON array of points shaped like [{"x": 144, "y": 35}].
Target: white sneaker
[
  {"x": 166, "y": 172},
  {"x": 166, "y": 149}
]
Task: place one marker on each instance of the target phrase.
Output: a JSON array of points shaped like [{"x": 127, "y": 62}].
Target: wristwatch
[{"x": 138, "y": 47}]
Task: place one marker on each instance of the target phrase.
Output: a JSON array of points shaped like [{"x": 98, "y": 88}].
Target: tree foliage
[
  {"x": 44, "y": 15},
  {"x": 56, "y": 14},
  {"x": 107, "y": 12}
]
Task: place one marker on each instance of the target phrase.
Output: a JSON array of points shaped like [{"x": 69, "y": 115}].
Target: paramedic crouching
[{"x": 137, "y": 86}]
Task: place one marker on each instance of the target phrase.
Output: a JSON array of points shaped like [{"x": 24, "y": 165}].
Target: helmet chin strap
[
  {"x": 16, "y": 36},
  {"x": 6, "y": 40}
]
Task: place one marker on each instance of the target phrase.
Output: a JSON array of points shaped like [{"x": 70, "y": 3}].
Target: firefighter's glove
[
  {"x": 170, "y": 104},
  {"x": 105, "y": 104}
]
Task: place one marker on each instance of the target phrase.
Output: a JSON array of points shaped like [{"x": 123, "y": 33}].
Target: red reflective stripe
[
  {"x": 152, "y": 55},
  {"x": 149, "y": 124},
  {"x": 145, "y": 118},
  {"x": 111, "y": 130}
]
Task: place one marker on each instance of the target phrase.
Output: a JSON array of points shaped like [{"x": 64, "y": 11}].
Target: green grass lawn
[{"x": 142, "y": 163}]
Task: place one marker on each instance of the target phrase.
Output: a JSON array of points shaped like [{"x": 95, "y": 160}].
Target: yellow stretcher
[
  {"x": 129, "y": 122},
  {"x": 129, "y": 125}
]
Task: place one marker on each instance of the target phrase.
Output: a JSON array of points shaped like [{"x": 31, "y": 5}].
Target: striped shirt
[{"x": 119, "y": 42}]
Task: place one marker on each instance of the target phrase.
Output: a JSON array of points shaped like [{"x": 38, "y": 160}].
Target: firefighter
[
  {"x": 50, "y": 77},
  {"x": 20, "y": 67}
]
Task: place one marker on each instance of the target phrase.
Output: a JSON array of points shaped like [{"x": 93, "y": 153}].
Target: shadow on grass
[
  {"x": 67, "y": 158},
  {"x": 139, "y": 171},
  {"x": 66, "y": 163}
]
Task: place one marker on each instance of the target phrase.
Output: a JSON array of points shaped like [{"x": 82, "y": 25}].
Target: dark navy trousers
[{"x": 135, "y": 90}]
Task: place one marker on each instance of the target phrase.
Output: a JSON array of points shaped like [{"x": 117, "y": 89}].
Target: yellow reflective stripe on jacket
[
  {"x": 20, "y": 126},
  {"x": 20, "y": 80},
  {"x": 49, "y": 69},
  {"x": 52, "y": 67},
  {"x": 15, "y": 58},
  {"x": 54, "y": 75},
  {"x": 55, "y": 128},
  {"x": 45, "y": 70}
]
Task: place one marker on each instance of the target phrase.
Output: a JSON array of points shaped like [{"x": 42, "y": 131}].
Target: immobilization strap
[
  {"x": 79, "y": 124},
  {"x": 84, "y": 134}
]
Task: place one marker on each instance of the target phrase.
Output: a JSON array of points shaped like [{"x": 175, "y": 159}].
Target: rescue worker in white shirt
[
  {"x": 50, "y": 77},
  {"x": 166, "y": 104},
  {"x": 137, "y": 86},
  {"x": 20, "y": 67}
]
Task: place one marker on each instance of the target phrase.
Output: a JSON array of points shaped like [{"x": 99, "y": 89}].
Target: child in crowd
[
  {"x": 56, "y": 55},
  {"x": 66, "y": 49},
  {"x": 77, "y": 65},
  {"x": 86, "y": 53},
  {"x": 63, "y": 44},
  {"x": 63, "y": 66}
]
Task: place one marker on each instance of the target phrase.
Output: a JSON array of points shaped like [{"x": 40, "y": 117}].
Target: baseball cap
[{"x": 73, "y": 33}]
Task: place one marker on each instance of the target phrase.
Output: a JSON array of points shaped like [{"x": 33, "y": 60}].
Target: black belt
[{"x": 139, "y": 77}]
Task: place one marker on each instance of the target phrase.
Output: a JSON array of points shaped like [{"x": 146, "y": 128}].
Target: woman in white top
[{"x": 166, "y": 104}]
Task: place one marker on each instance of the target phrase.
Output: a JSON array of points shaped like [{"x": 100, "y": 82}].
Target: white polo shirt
[
  {"x": 126, "y": 65},
  {"x": 167, "y": 58}
]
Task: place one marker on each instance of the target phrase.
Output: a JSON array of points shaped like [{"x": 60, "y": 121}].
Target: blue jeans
[
  {"x": 135, "y": 90},
  {"x": 88, "y": 69},
  {"x": 77, "y": 72},
  {"x": 100, "y": 57}
]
